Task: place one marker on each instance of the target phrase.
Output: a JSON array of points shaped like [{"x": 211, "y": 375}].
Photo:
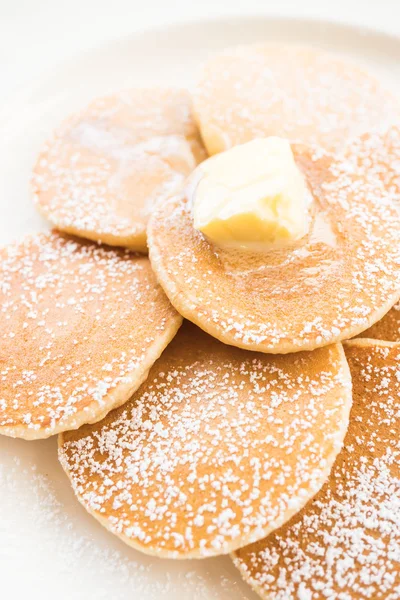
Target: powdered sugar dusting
[
  {"x": 79, "y": 556},
  {"x": 387, "y": 328},
  {"x": 70, "y": 333},
  {"x": 298, "y": 92},
  {"x": 310, "y": 296},
  {"x": 216, "y": 448},
  {"x": 104, "y": 169},
  {"x": 345, "y": 544}
]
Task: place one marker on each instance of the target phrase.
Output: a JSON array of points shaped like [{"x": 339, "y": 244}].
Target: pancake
[
  {"x": 219, "y": 446},
  {"x": 298, "y": 92},
  {"x": 345, "y": 543},
  {"x": 80, "y": 327},
  {"x": 387, "y": 329},
  {"x": 104, "y": 168},
  {"x": 386, "y": 149},
  {"x": 333, "y": 284}
]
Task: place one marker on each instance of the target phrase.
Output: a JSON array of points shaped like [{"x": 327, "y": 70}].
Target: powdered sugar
[
  {"x": 298, "y": 92},
  {"x": 68, "y": 310},
  {"x": 63, "y": 548},
  {"x": 346, "y": 543},
  {"x": 217, "y": 448},
  {"x": 311, "y": 295},
  {"x": 104, "y": 168}
]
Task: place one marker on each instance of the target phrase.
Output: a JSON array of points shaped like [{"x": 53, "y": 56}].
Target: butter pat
[{"x": 252, "y": 196}]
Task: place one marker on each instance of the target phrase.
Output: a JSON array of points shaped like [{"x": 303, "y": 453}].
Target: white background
[{"x": 36, "y": 34}]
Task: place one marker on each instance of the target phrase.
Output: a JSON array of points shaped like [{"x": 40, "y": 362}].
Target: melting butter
[{"x": 252, "y": 196}]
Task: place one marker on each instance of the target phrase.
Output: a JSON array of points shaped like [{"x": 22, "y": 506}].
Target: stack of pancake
[{"x": 267, "y": 424}]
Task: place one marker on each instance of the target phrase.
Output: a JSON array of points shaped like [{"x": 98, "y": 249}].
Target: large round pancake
[
  {"x": 100, "y": 174},
  {"x": 339, "y": 280},
  {"x": 345, "y": 543},
  {"x": 217, "y": 447},
  {"x": 80, "y": 327},
  {"x": 298, "y": 92}
]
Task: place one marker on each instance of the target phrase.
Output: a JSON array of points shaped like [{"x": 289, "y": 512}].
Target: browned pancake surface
[
  {"x": 340, "y": 279},
  {"x": 387, "y": 329},
  {"x": 345, "y": 544},
  {"x": 386, "y": 152},
  {"x": 80, "y": 327},
  {"x": 217, "y": 447},
  {"x": 298, "y": 92},
  {"x": 102, "y": 171}
]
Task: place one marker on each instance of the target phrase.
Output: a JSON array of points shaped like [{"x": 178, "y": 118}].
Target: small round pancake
[
  {"x": 218, "y": 447},
  {"x": 102, "y": 171},
  {"x": 298, "y": 92},
  {"x": 345, "y": 543},
  {"x": 80, "y": 327},
  {"x": 336, "y": 282}
]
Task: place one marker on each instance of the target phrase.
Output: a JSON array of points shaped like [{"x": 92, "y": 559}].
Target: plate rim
[{"x": 34, "y": 83}]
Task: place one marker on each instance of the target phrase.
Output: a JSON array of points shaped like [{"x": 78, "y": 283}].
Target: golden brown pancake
[
  {"x": 386, "y": 152},
  {"x": 345, "y": 543},
  {"x": 382, "y": 152},
  {"x": 336, "y": 282},
  {"x": 218, "y": 447},
  {"x": 80, "y": 327},
  {"x": 104, "y": 168},
  {"x": 298, "y": 92}
]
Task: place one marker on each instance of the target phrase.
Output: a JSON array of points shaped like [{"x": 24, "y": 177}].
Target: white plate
[{"x": 49, "y": 545}]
